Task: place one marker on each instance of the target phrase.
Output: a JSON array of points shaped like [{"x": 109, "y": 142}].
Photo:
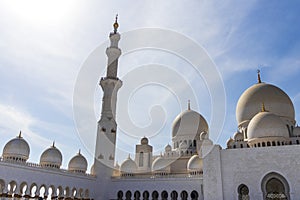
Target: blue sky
[{"x": 44, "y": 44}]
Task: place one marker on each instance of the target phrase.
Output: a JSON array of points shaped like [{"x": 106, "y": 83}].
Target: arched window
[
  {"x": 243, "y": 192},
  {"x": 141, "y": 159},
  {"x": 164, "y": 195},
  {"x": 273, "y": 143},
  {"x": 146, "y": 195},
  {"x": 184, "y": 195},
  {"x": 137, "y": 195},
  {"x": 263, "y": 144},
  {"x": 154, "y": 195},
  {"x": 174, "y": 195},
  {"x": 275, "y": 186},
  {"x": 128, "y": 195},
  {"x": 194, "y": 195},
  {"x": 120, "y": 195}
]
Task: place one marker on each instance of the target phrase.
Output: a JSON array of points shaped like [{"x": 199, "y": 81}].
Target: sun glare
[{"x": 40, "y": 11}]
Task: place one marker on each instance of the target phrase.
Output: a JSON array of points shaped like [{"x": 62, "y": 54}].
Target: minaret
[{"x": 107, "y": 126}]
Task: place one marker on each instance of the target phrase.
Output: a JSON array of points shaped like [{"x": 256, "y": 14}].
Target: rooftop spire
[
  {"x": 116, "y": 25},
  {"x": 20, "y": 134},
  {"x": 189, "y": 104},
  {"x": 258, "y": 76},
  {"x": 53, "y": 144}
]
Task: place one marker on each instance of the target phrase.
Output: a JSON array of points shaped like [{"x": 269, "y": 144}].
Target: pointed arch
[
  {"x": 23, "y": 188},
  {"x": 274, "y": 185},
  {"x": 33, "y": 190}
]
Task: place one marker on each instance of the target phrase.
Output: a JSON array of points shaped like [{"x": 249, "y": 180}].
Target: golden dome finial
[
  {"x": 189, "y": 104},
  {"x": 258, "y": 76},
  {"x": 116, "y": 25}
]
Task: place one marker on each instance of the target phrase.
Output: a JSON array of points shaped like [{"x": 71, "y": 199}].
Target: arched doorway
[{"x": 275, "y": 187}]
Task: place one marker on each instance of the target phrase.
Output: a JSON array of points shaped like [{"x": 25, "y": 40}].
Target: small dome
[
  {"x": 144, "y": 141},
  {"x": 203, "y": 135},
  {"x": 51, "y": 158},
  {"x": 189, "y": 122},
  {"x": 296, "y": 131},
  {"x": 267, "y": 124},
  {"x": 78, "y": 163},
  {"x": 168, "y": 148},
  {"x": 238, "y": 136},
  {"x": 128, "y": 166},
  {"x": 195, "y": 163},
  {"x": 276, "y": 100},
  {"x": 16, "y": 149},
  {"x": 229, "y": 142},
  {"x": 162, "y": 164}
]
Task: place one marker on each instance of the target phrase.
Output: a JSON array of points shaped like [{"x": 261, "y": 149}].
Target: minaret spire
[
  {"x": 258, "y": 76},
  {"x": 116, "y": 25},
  {"x": 189, "y": 104}
]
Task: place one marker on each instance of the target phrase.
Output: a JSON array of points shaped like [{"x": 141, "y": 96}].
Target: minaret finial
[
  {"x": 20, "y": 134},
  {"x": 79, "y": 151},
  {"x": 258, "y": 76},
  {"x": 53, "y": 144},
  {"x": 189, "y": 104},
  {"x": 116, "y": 25}
]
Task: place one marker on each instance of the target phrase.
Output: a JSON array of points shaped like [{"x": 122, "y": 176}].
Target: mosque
[{"x": 261, "y": 160}]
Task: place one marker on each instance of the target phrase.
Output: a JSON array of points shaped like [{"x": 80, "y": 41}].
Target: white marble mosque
[{"x": 261, "y": 161}]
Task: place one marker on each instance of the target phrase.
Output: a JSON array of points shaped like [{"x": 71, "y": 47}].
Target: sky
[{"x": 46, "y": 44}]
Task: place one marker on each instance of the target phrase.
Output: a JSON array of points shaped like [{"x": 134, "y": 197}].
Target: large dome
[
  {"x": 16, "y": 149},
  {"x": 78, "y": 163},
  {"x": 189, "y": 122},
  {"x": 267, "y": 125},
  {"x": 275, "y": 100},
  {"x": 51, "y": 158}
]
